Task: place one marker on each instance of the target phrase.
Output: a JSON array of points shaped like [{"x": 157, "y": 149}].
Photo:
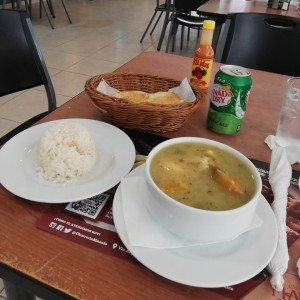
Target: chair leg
[
  {"x": 156, "y": 22},
  {"x": 174, "y": 36},
  {"x": 66, "y": 11},
  {"x": 149, "y": 24},
  {"x": 48, "y": 17},
  {"x": 181, "y": 39},
  {"x": 51, "y": 9},
  {"x": 166, "y": 22},
  {"x": 41, "y": 12},
  {"x": 28, "y": 7},
  {"x": 170, "y": 36}
]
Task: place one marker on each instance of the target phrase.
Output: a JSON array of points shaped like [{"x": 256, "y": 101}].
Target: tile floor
[{"x": 104, "y": 35}]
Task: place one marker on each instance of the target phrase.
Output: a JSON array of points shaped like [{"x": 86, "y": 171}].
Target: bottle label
[
  {"x": 224, "y": 123},
  {"x": 201, "y": 71},
  {"x": 221, "y": 95}
]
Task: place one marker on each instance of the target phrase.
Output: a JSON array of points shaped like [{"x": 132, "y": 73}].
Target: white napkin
[
  {"x": 292, "y": 151},
  {"x": 184, "y": 90},
  {"x": 141, "y": 229},
  {"x": 105, "y": 88},
  {"x": 280, "y": 176}
]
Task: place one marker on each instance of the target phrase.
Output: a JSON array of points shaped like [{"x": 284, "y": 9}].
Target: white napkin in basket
[
  {"x": 184, "y": 90},
  {"x": 141, "y": 229},
  {"x": 106, "y": 89},
  {"x": 279, "y": 178}
]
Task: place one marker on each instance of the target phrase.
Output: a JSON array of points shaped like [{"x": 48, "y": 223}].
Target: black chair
[
  {"x": 185, "y": 14},
  {"x": 17, "y": 4},
  {"x": 14, "y": 5},
  {"x": 22, "y": 64},
  {"x": 262, "y": 41}
]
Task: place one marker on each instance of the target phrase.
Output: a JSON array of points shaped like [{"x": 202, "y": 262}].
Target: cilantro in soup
[{"x": 203, "y": 176}]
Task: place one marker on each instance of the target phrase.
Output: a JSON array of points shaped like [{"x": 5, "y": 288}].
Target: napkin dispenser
[{"x": 279, "y": 4}]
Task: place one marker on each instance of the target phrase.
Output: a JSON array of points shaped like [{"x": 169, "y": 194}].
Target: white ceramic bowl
[{"x": 197, "y": 224}]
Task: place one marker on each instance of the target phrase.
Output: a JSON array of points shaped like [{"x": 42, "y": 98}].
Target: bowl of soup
[{"x": 201, "y": 189}]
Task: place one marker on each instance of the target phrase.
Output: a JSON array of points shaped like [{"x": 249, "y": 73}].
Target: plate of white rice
[{"x": 65, "y": 160}]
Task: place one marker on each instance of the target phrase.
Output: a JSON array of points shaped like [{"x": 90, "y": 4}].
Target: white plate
[
  {"x": 208, "y": 266},
  {"x": 116, "y": 155}
]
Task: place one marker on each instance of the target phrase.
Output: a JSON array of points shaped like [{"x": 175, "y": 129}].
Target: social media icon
[
  {"x": 60, "y": 227},
  {"x": 52, "y": 224}
]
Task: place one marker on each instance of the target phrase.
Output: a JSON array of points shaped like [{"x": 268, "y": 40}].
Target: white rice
[{"x": 66, "y": 151}]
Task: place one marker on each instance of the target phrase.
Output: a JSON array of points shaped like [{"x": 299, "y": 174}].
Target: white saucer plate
[
  {"x": 210, "y": 266},
  {"x": 115, "y": 151}
]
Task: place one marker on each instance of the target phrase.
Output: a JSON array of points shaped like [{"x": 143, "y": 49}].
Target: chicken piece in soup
[{"x": 203, "y": 176}]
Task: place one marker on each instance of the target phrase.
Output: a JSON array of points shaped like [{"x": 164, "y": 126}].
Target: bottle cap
[{"x": 209, "y": 24}]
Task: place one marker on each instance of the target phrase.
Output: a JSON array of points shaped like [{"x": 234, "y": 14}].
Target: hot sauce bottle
[{"x": 203, "y": 58}]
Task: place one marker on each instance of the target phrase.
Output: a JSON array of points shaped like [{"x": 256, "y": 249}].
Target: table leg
[
  {"x": 14, "y": 292},
  {"x": 19, "y": 286},
  {"x": 216, "y": 35},
  {"x": 221, "y": 40}
]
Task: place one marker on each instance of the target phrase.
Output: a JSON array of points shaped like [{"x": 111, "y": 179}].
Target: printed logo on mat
[{"x": 90, "y": 207}]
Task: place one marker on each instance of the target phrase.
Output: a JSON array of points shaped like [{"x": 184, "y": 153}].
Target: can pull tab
[{"x": 280, "y": 24}]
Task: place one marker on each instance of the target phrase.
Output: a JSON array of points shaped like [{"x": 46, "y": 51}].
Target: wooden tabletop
[
  {"x": 87, "y": 274},
  {"x": 225, "y": 7}
]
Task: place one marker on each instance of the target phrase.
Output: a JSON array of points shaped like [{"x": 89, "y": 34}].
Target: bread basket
[{"x": 141, "y": 116}]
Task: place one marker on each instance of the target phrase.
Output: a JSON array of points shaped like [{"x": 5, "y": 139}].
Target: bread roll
[
  {"x": 134, "y": 96},
  {"x": 155, "y": 98},
  {"x": 165, "y": 98}
]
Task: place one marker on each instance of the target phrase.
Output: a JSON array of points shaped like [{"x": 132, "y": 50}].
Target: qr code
[{"x": 90, "y": 207}]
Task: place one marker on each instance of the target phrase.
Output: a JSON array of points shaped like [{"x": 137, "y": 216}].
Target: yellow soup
[{"x": 202, "y": 176}]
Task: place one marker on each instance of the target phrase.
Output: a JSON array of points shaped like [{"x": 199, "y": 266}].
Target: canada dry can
[{"x": 229, "y": 99}]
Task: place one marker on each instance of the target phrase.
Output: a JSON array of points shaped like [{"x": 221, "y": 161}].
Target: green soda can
[{"x": 229, "y": 99}]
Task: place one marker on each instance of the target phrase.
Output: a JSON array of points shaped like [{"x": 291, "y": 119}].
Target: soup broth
[{"x": 202, "y": 176}]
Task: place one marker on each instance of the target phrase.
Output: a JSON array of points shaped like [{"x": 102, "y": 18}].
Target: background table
[
  {"x": 52, "y": 267},
  {"x": 225, "y": 7},
  {"x": 219, "y": 9}
]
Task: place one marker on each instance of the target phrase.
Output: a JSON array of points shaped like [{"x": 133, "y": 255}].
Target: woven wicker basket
[{"x": 142, "y": 116}]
